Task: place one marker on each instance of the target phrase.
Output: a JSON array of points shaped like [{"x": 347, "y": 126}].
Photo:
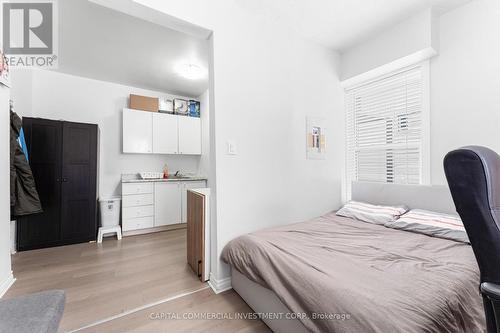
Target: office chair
[{"x": 473, "y": 175}]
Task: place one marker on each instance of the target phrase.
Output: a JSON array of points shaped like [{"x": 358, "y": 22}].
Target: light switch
[{"x": 231, "y": 148}]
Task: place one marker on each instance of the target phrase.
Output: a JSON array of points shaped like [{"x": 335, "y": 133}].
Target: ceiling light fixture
[{"x": 190, "y": 71}]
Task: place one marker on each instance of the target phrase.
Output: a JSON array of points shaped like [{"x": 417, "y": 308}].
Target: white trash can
[{"x": 110, "y": 212}]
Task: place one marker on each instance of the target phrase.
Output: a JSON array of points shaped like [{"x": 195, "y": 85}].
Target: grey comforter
[{"x": 375, "y": 279}]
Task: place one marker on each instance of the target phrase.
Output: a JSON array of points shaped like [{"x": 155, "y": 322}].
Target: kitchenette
[
  {"x": 156, "y": 204},
  {"x": 118, "y": 166},
  {"x": 110, "y": 168},
  {"x": 157, "y": 201},
  {"x": 167, "y": 200}
]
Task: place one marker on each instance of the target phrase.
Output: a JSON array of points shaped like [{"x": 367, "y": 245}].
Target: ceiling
[
  {"x": 340, "y": 24},
  {"x": 100, "y": 43},
  {"x": 113, "y": 46}
]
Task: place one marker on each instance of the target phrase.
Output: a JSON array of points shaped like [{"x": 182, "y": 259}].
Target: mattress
[{"x": 341, "y": 275}]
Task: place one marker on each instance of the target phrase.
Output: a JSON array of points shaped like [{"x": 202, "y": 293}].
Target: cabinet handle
[{"x": 65, "y": 180}]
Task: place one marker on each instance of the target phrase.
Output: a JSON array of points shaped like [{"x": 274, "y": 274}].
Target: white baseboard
[
  {"x": 221, "y": 285},
  {"x": 6, "y": 284},
  {"x": 155, "y": 229}
]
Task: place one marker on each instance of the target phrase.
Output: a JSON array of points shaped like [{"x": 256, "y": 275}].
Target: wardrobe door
[
  {"x": 78, "y": 187},
  {"x": 44, "y": 142}
]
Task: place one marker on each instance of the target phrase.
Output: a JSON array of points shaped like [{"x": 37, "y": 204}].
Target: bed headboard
[{"x": 436, "y": 198}]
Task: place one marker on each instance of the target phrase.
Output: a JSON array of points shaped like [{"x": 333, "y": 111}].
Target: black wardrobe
[{"x": 63, "y": 158}]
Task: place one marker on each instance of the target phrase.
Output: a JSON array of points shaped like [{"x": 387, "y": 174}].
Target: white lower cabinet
[
  {"x": 138, "y": 200},
  {"x": 167, "y": 203},
  {"x": 137, "y": 206},
  {"x": 139, "y": 211},
  {"x": 155, "y": 204},
  {"x": 137, "y": 188},
  {"x": 138, "y": 223}
]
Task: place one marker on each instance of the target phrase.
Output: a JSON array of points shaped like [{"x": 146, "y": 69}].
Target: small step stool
[{"x": 109, "y": 230}]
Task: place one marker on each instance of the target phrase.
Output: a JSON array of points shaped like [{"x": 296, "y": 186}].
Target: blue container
[{"x": 194, "y": 108}]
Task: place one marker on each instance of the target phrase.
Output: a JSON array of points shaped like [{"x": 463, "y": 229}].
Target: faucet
[{"x": 177, "y": 173}]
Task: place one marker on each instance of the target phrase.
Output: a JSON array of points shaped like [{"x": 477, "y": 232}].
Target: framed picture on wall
[{"x": 315, "y": 138}]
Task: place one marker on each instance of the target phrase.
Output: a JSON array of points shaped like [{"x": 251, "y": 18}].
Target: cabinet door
[
  {"x": 137, "y": 131},
  {"x": 189, "y": 135},
  {"x": 185, "y": 187},
  {"x": 165, "y": 134},
  {"x": 167, "y": 203},
  {"x": 79, "y": 182},
  {"x": 44, "y": 143}
]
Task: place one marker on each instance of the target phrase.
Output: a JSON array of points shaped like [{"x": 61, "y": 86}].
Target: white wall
[
  {"x": 53, "y": 95},
  {"x": 204, "y": 165},
  {"x": 408, "y": 37},
  {"x": 464, "y": 76},
  {"x": 6, "y": 278},
  {"x": 266, "y": 81},
  {"x": 465, "y": 81}
]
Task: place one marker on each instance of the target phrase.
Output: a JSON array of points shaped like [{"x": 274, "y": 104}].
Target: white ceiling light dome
[{"x": 191, "y": 71}]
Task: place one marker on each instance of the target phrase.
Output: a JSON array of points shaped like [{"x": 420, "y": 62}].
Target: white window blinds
[{"x": 384, "y": 129}]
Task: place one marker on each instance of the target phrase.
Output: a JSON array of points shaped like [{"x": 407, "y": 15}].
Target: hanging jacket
[
  {"x": 24, "y": 198},
  {"x": 22, "y": 142}
]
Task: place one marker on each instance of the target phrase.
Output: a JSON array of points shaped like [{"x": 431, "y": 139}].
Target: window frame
[{"x": 425, "y": 148}]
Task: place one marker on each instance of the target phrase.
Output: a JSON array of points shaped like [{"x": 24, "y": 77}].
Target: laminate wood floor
[
  {"x": 179, "y": 316},
  {"x": 103, "y": 280}
]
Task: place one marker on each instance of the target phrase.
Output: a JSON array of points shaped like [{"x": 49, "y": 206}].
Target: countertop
[{"x": 136, "y": 179}]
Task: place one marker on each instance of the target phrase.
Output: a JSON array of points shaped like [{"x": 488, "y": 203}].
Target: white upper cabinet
[
  {"x": 160, "y": 133},
  {"x": 137, "y": 131},
  {"x": 165, "y": 134},
  {"x": 189, "y": 135}
]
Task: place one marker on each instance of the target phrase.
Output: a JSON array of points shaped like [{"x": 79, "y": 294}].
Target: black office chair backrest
[{"x": 473, "y": 175}]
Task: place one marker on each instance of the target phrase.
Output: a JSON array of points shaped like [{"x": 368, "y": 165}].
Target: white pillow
[
  {"x": 371, "y": 213},
  {"x": 432, "y": 224}
]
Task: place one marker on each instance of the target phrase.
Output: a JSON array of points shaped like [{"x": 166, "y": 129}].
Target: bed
[{"x": 334, "y": 274}]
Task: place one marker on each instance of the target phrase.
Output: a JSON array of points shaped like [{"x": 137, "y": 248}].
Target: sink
[{"x": 178, "y": 177}]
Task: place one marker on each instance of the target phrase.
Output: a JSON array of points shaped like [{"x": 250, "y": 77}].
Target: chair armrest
[{"x": 491, "y": 290}]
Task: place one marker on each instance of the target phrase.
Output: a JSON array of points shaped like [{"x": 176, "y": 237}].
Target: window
[{"x": 387, "y": 127}]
